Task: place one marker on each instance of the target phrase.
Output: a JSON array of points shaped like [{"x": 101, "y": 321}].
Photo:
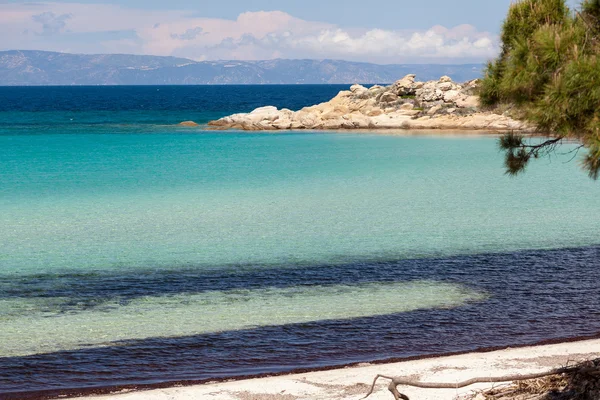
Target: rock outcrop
[
  {"x": 189, "y": 124},
  {"x": 407, "y": 104}
]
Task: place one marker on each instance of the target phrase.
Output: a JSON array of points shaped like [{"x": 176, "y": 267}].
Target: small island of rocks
[{"x": 407, "y": 104}]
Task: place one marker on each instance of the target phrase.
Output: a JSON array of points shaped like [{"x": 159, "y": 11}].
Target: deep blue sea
[{"x": 134, "y": 251}]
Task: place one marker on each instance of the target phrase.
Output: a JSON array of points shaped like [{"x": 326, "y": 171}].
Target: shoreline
[
  {"x": 138, "y": 392},
  {"x": 441, "y": 133},
  {"x": 407, "y": 104}
]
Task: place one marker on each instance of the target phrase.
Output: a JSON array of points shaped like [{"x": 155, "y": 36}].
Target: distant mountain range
[{"x": 20, "y": 67}]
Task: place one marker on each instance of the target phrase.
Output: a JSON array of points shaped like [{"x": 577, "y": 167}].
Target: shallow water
[{"x": 134, "y": 251}]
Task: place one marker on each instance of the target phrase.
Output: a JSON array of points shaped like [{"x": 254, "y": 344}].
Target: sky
[{"x": 382, "y": 31}]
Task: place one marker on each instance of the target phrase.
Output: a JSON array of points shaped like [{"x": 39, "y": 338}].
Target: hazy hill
[{"x": 48, "y": 68}]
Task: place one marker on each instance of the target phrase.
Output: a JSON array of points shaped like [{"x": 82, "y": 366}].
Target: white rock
[
  {"x": 342, "y": 109},
  {"x": 375, "y": 112},
  {"x": 434, "y": 110},
  {"x": 265, "y": 125},
  {"x": 467, "y": 102},
  {"x": 360, "y": 121},
  {"x": 451, "y": 95},
  {"x": 429, "y": 94},
  {"x": 388, "y": 97},
  {"x": 389, "y": 121},
  {"x": 268, "y": 113},
  {"x": 405, "y": 85},
  {"x": 305, "y": 119},
  {"x": 331, "y": 115},
  {"x": 264, "y": 110},
  {"x": 408, "y": 112},
  {"x": 445, "y": 86},
  {"x": 359, "y": 109},
  {"x": 445, "y": 79},
  {"x": 357, "y": 88},
  {"x": 344, "y": 93},
  {"x": 333, "y": 123}
]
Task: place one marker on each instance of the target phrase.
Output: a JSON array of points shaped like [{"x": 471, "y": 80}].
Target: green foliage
[
  {"x": 590, "y": 10},
  {"x": 570, "y": 102},
  {"x": 489, "y": 91},
  {"x": 550, "y": 69},
  {"x": 510, "y": 141},
  {"x": 524, "y": 17}
]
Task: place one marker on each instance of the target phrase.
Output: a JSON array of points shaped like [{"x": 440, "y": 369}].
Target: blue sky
[{"x": 383, "y": 31}]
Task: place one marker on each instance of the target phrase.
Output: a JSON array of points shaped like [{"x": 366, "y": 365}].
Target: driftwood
[{"x": 585, "y": 369}]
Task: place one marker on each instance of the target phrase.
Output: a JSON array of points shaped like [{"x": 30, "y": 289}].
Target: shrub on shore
[{"x": 549, "y": 68}]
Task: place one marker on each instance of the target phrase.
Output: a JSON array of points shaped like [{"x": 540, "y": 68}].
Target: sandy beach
[{"x": 354, "y": 382}]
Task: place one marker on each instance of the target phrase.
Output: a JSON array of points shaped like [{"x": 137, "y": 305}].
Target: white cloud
[
  {"x": 253, "y": 35},
  {"x": 52, "y": 24},
  {"x": 189, "y": 34}
]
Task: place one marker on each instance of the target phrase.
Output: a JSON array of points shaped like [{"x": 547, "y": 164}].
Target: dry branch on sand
[{"x": 580, "y": 382}]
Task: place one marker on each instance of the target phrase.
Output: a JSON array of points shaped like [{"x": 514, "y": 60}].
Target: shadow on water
[{"x": 534, "y": 296}]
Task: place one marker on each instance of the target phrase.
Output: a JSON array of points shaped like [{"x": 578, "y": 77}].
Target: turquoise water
[
  {"x": 121, "y": 236},
  {"x": 215, "y": 311},
  {"x": 97, "y": 202}
]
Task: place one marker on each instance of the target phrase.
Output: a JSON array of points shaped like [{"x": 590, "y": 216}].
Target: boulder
[
  {"x": 451, "y": 95},
  {"x": 305, "y": 119},
  {"x": 375, "y": 112},
  {"x": 342, "y": 109},
  {"x": 343, "y": 94},
  {"x": 188, "y": 124},
  {"x": 264, "y": 110},
  {"x": 470, "y": 88},
  {"x": 360, "y": 121},
  {"x": 433, "y": 110},
  {"x": 410, "y": 113},
  {"x": 388, "y": 97},
  {"x": 445, "y": 86},
  {"x": 331, "y": 115},
  {"x": 268, "y": 113},
  {"x": 447, "y": 106},
  {"x": 467, "y": 102},
  {"x": 429, "y": 94},
  {"x": 357, "y": 89},
  {"x": 405, "y": 86}
]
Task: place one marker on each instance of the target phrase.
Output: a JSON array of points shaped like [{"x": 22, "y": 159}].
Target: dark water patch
[
  {"x": 52, "y": 106},
  {"x": 276, "y": 349},
  {"x": 108, "y": 390},
  {"x": 80, "y": 291},
  {"x": 534, "y": 296}
]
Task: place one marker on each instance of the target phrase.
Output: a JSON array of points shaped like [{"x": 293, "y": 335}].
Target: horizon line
[{"x": 241, "y": 61}]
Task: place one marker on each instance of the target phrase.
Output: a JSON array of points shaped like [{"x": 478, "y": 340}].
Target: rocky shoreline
[{"x": 407, "y": 104}]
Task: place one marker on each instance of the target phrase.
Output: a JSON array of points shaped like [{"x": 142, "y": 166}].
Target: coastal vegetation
[{"x": 549, "y": 69}]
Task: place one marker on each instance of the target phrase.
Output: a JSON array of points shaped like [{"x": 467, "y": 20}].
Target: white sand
[{"x": 353, "y": 383}]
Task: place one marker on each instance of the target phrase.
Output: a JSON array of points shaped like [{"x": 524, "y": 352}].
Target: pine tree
[{"x": 549, "y": 68}]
